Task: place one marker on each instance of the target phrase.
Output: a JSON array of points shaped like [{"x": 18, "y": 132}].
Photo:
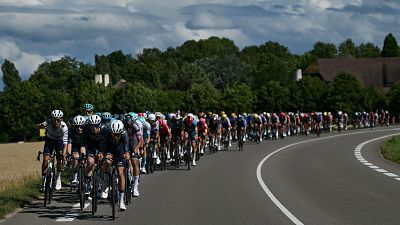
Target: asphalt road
[{"x": 318, "y": 181}]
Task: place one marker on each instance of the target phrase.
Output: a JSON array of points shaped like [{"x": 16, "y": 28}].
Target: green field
[{"x": 391, "y": 149}]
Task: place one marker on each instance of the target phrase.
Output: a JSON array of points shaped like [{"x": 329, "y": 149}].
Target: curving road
[{"x": 317, "y": 180}]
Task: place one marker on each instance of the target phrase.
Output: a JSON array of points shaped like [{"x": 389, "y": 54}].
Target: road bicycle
[{"x": 49, "y": 186}]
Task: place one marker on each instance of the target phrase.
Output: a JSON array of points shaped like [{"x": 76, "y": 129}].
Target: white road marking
[
  {"x": 69, "y": 217},
  {"x": 391, "y": 174},
  {"x": 281, "y": 207},
  {"x": 357, "y": 153}
]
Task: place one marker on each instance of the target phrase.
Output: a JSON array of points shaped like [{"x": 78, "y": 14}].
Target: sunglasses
[
  {"x": 115, "y": 135},
  {"x": 57, "y": 120},
  {"x": 94, "y": 125},
  {"x": 79, "y": 127}
]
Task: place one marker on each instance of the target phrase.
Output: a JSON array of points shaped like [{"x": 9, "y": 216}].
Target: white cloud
[
  {"x": 25, "y": 62},
  {"x": 32, "y": 31}
]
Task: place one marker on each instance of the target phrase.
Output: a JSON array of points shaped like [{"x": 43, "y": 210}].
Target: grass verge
[
  {"x": 391, "y": 149},
  {"x": 19, "y": 195}
]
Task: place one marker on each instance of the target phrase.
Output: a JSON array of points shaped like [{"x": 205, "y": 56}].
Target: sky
[{"x": 34, "y": 31}]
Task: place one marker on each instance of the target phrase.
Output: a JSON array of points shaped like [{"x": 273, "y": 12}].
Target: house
[{"x": 380, "y": 73}]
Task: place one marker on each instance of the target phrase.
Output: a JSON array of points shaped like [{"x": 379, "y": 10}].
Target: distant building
[
  {"x": 120, "y": 84},
  {"x": 380, "y": 73}
]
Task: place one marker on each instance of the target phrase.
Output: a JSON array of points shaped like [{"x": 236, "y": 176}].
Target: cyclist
[
  {"x": 165, "y": 133},
  {"x": 76, "y": 145},
  {"x": 106, "y": 120},
  {"x": 233, "y": 120},
  {"x": 115, "y": 147},
  {"x": 92, "y": 138},
  {"x": 241, "y": 127},
  {"x": 87, "y": 111},
  {"x": 175, "y": 125},
  {"x": 134, "y": 132},
  {"x": 56, "y": 139},
  {"x": 189, "y": 133},
  {"x": 202, "y": 130},
  {"x": 225, "y": 128},
  {"x": 215, "y": 129},
  {"x": 155, "y": 135},
  {"x": 146, "y": 140}
]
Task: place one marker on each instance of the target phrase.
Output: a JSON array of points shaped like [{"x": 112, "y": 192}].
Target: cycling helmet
[
  {"x": 340, "y": 113},
  {"x": 106, "y": 116},
  {"x": 142, "y": 119},
  {"x": 117, "y": 127},
  {"x": 233, "y": 115},
  {"x": 128, "y": 120},
  {"x": 152, "y": 117},
  {"x": 79, "y": 120},
  {"x": 255, "y": 116},
  {"x": 57, "y": 113},
  {"x": 87, "y": 106},
  {"x": 94, "y": 119},
  {"x": 172, "y": 116},
  {"x": 134, "y": 115},
  {"x": 223, "y": 116},
  {"x": 268, "y": 115},
  {"x": 158, "y": 114},
  {"x": 190, "y": 115}
]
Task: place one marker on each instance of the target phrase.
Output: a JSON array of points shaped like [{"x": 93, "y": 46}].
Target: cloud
[
  {"x": 25, "y": 62},
  {"x": 32, "y": 31}
]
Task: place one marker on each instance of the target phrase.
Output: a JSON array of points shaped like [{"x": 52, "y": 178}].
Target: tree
[
  {"x": 393, "y": 99},
  {"x": 324, "y": 50},
  {"x": 88, "y": 92},
  {"x": 273, "y": 97},
  {"x": 22, "y": 107},
  {"x": 348, "y": 49},
  {"x": 390, "y": 47},
  {"x": 134, "y": 97},
  {"x": 239, "y": 98},
  {"x": 10, "y": 74},
  {"x": 224, "y": 71},
  {"x": 368, "y": 50},
  {"x": 310, "y": 90},
  {"x": 202, "y": 97},
  {"x": 344, "y": 94}
]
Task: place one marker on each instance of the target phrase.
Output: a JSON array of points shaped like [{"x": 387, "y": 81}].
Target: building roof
[
  {"x": 380, "y": 73},
  {"x": 120, "y": 84}
]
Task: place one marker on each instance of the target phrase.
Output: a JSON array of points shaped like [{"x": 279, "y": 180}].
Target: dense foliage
[{"x": 211, "y": 74}]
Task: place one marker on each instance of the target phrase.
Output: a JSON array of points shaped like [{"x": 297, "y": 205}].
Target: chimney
[
  {"x": 106, "y": 80},
  {"x": 298, "y": 75},
  {"x": 98, "y": 78}
]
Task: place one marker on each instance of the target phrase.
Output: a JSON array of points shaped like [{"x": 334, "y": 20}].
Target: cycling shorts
[
  {"x": 117, "y": 151},
  {"x": 51, "y": 145}
]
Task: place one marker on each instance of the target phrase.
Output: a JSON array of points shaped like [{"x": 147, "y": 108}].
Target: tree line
[{"x": 205, "y": 75}]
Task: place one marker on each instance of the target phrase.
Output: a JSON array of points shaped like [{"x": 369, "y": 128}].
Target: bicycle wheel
[
  {"x": 94, "y": 191},
  {"x": 176, "y": 156},
  {"x": 188, "y": 157},
  {"x": 128, "y": 186},
  {"x": 163, "y": 158},
  {"x": 112, "y": 181},
  {"x": 51, "y": 185},
  {"x": 81, "y": 187},
  {"x": 47, "y": 188}
]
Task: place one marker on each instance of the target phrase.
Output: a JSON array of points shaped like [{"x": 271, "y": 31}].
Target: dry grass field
[{"x": 19, "y": 163}]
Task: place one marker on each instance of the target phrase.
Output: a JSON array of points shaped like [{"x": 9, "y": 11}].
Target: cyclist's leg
[{"x": 121, "y": 176}]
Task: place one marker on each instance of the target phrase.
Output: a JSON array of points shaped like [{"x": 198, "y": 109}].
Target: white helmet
[
  {"x": 117, "y": 127},
  {"x": 340, "y": 113},
  {"x": 57, "y": 114},
  {"x": 152, "y": 117},
  {"x": 190, "y": 115},
  {"x": 268, "y": 115},
  {"x": 94, "y": 119},
  {"x": 79, "y": 120}
]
